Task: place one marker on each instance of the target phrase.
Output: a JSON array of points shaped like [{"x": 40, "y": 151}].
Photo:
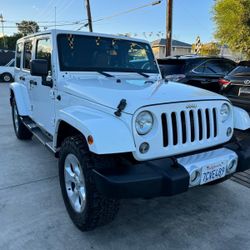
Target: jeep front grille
[{"x": 189, "y": 126}]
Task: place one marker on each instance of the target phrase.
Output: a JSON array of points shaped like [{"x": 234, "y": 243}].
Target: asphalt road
[{"x": 33, "y": 216}]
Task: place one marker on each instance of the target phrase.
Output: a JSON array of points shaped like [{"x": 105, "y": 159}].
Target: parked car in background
[
  {"x": 203, "y": 72},
  {"x": 6, "y": 56},
  {"x": 7, "y": 71},
  {"x": 236, "y": 85}
]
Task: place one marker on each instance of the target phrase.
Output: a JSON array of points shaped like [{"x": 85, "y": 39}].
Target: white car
[
  {"x": 119, "y": 130},
  {"x": 7, "y": 71}
]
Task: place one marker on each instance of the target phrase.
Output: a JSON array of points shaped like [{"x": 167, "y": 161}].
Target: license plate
[
  {"x": 244, "y": 91},
  {"x": 213, "y": 172}
]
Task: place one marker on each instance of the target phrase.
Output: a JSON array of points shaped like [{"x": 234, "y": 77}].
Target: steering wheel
[{"x": 146, "y": 65}]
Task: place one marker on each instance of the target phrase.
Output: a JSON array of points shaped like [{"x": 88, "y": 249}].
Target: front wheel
[
  {"x": 22, "y": 133},
  {"x": 6, "y": 77},
  {"x": 87, "y": 208}
]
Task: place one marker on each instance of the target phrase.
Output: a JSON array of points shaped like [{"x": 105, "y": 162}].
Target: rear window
[
  {"x": 215, "y": 67},
  {"x": 240, "y": 71},
  {"x": 172, "y": 67}
]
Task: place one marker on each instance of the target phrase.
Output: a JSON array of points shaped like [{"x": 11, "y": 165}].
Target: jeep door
[{"x": 41, "y": 95}]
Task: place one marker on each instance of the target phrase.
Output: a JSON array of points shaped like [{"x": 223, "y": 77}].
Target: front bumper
[{"x": 162, "y": 177}]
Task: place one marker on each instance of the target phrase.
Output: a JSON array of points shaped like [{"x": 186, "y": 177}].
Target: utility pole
[
  {"x": 169, "y": 23},
  {"x": 87, "y": 4},
  {"x": 2, "y": 21}
]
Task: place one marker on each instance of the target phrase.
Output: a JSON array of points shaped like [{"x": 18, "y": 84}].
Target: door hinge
[{"x": 52, "y": 94}]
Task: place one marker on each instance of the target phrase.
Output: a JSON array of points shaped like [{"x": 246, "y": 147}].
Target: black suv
[
  {"x": 203, "y": 72},
  {"x": 236, "y": 85}
]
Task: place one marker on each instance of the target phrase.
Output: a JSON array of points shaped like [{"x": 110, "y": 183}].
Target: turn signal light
[{"x": 90, "y": 140}]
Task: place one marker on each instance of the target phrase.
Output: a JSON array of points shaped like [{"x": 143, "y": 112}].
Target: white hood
[{"x": 109, "y": 92}]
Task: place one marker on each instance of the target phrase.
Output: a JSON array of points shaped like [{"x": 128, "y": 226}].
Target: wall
[{"x": 159, "y": 52}]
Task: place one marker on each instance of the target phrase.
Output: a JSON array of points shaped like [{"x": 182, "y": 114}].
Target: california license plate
[{"x": 213, "y": 172}]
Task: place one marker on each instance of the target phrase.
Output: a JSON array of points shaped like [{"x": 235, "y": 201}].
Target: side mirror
[{"x": 40, "y": 67}]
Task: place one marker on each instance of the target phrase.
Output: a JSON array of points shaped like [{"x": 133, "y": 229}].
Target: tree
[
  {"x": 210, "y": 49},
  {"x": 232, "y": 21},
  {"x": 10, "y": 41},
  {"x": 27, "y": 27}
]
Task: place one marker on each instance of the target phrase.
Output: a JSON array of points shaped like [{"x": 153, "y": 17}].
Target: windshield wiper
[
  {"x": 140, "y": 73},
  {"x": 134, "y": 71},
  {"x": 104, "y": 73}
]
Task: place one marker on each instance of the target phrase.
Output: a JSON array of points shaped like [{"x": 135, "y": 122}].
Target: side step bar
[{"x": 38, "y": 133}]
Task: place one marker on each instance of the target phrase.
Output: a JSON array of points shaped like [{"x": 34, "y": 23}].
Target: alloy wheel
[{"x": 74, "y": 183}]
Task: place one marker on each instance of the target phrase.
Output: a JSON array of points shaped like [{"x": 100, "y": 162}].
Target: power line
[
  {"x": 81, "y": 22},
  {"x": 47, "y": 8},
  {"x": 65, "y": 7},
  {"x": 51, "y": 25},
  {"x": 123, "y": 12},
  {"x": 60, "y": 21},
  {"x": 128, "y": 11}
]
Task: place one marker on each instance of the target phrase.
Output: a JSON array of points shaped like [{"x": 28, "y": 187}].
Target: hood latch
[{"x": 122, "y": 105}]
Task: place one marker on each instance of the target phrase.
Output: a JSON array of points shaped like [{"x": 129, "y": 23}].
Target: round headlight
[
  {"x": 225, "y": 112},
  {"x": 144, "y": 122}
]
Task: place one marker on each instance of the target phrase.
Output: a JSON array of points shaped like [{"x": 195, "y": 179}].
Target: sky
[{"x": 191, "y": 18}]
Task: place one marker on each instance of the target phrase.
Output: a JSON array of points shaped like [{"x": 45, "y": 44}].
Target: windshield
[{"x": 92, "y": 53}]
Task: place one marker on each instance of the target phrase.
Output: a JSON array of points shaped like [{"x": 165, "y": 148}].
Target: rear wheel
[
  {"x": 21, "y": 131},
  {"x": 87, "y": 208}
]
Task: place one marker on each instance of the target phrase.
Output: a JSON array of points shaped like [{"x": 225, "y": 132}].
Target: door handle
[
  {"x": 32, "y": 82},
  {"x": 22, "y": 78}
]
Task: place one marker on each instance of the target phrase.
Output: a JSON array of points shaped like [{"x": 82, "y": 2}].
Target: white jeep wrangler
[{"x": 119, "y": 130}]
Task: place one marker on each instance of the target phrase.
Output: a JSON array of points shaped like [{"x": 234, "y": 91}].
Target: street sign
[{"x": 198, "y": 46}]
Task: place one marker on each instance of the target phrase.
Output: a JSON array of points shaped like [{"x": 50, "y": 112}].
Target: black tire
[
  {"x": 22, "y": 133},
  {"x": 98, "y": 210},
  {"x": 6, "y": 77}
]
